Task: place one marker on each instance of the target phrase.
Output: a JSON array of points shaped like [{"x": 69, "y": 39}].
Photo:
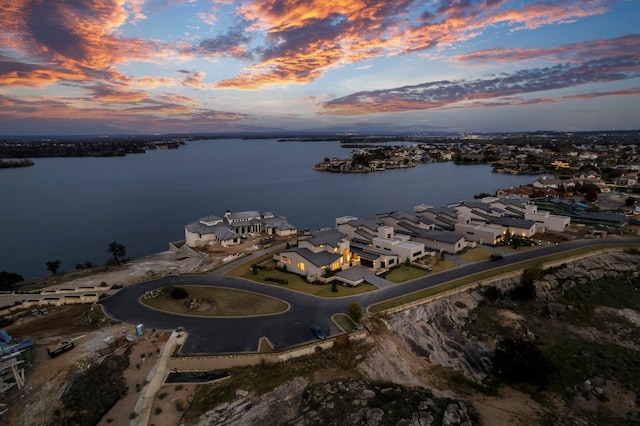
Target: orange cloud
[
  {"x": 307, "y": 37},
  {"x": 599, "y": 65},
  {"x": 576, "y": 52},
  {"x": 72, "y": 41},
  {"x": 169, "y": 107}
]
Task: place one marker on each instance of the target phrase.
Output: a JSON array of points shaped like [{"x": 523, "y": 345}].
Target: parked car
[
  {"x": 319, "y": 332},
  {"x": 496, "y": 256}
]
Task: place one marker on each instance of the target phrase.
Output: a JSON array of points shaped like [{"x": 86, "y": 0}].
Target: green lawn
[
  {"x": 483, "y": 275},
  {"x": 404, "y": 273},
  {"x": 219, "y": 302},
  {"x": 475, "y": 254},
  {"x": 267, "y": 270},
  {"x": 344, "y": 322}
]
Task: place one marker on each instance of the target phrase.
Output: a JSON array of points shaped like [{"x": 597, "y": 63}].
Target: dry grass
[
  {"x": 475, "y": 254},
  {"x": 216, "y": 301}
]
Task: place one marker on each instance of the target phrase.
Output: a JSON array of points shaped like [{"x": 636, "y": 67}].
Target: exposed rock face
[
  {"x": 338, "y": 403},
  {"x": 433, "y": 331},
  {"x": 276, "y": 407},
  {"x": 410, "y": 341}
]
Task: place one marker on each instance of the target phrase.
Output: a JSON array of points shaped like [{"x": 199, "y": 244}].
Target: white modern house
[
  {"x": 375, "y": 241},
  {"x": 546, "y": 220},
  {"x": 398, "y": 244},
  {"x": 521, "y": 227},
  {"x": 478, "y": 231}
]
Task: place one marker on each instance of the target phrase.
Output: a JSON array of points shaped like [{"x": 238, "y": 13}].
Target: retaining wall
[{"x": 214, "y": 362}]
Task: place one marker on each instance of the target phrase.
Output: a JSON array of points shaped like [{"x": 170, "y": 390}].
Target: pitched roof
[
  {"x": 331, "y": 237},
  {"x": 370, "y": 223},
  {"x": 278, "y": 222},
  {"x": 242, "y": 215},
  {"x": 514, "y": 221},
  {"x": 320, "y": 259},
  {"x": 222, "y": 231},
  {"x": 442, "y": 236}
]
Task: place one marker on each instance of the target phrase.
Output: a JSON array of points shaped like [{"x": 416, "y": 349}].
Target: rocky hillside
[
  {"x": 454, "y": 332},
  {"x": 432, "y": 364}
]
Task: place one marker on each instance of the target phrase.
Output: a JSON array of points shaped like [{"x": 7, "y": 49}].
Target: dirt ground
[{"x": 47, "y": 378}]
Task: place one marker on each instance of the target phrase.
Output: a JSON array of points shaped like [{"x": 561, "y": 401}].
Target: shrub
[
  {"x": 355, "y": 312},
  {"x": 179, "y": 293},
  {"x": 277, "y": 280},
  {"x": 526, "y": 290},
  {"x": 520, "y": 361},
  {"x": 158, "y": 410},
  {"x": 492, "y": 293},
  {"x": 179, "y": 405}
]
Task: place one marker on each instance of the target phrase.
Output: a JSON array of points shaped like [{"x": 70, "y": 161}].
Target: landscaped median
[
  {"x": 545, "y": 261},
  {"x": 212, "y": 302}
]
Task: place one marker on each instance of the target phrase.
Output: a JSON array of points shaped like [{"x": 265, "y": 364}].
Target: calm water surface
[{"x": 71, "y": 208}]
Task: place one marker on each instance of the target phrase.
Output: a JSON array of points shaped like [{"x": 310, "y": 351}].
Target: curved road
[{"x": 291, "y": 328}]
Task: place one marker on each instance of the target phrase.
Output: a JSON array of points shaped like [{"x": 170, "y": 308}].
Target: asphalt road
[{"x": 291, "y": 328}]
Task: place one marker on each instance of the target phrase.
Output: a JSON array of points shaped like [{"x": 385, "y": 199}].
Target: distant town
[{"x": 561, "y": 155}]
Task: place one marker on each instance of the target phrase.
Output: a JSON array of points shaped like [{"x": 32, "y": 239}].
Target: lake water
[{"x": 71, "y": 208}]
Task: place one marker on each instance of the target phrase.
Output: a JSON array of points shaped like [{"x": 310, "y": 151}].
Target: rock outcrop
[
  {"x": 340, "y": 403},
  {"x": 434, "y": 331}
]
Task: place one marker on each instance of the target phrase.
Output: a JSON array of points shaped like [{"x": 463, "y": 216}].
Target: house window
[
  {"x": 335, "y": 265},
  {"x": 300, "y": 265}
]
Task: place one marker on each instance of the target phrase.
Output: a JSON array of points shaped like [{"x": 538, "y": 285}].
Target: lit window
[
  {"x": 335, "y": 265},
  {"x": 300, "y": 265}
]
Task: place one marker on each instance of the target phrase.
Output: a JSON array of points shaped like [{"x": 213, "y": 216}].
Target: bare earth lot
[{"x": 46, "y": 378}]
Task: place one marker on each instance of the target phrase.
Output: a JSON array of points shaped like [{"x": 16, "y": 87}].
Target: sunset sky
[{"x": 161, "y": 66}]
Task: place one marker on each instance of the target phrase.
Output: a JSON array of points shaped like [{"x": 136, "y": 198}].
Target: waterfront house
[
  {"x": 233, "y": 227},
  {"x": 440, "y": 241},
  {"x": 513, "y": 225},
  {"x": 377, "y": 245},
  {"x": 479, "y": 232},
  {"x": 310, "y": 264},
  {"x": 317, "y": 255}
]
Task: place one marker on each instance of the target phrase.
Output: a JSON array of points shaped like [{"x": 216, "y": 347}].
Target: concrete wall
[
  {"x": 52, "y": 301},
  {"x": 551, "y": 222},
  {"x": 478, "y": 233},
  {"x": 213, "y": 362}
]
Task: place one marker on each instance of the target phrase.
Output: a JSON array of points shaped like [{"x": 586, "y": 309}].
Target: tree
[
  {"x": 521, "y": 361},
  {"x": 8, "y": 279},
  {"x": 179, "y": 293},
  {"x": 117, "y": 250},
  {"x": 630, "y": 201},
  {"x": 53, "y": 265},
  {"x": 355, "y": 312},
  {"x": 526, "y": 289}
]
